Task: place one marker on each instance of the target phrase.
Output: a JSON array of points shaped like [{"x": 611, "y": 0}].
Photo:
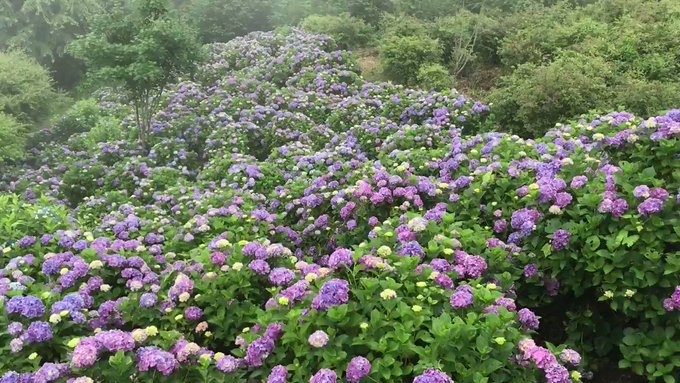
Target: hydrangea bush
[{"x": 292, "y": 222}]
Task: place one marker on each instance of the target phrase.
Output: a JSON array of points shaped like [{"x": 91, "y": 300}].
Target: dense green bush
[
  {"x": 12, "y": 139},
  {"x": 25, "y": 88},
  {"x": 80, "y": 118},
  {"x": 347, "y": 31},
  {"x": 403, "y": 26},
  {"x": 535, "y": 97},
  {"x": 539, "y": 35},
  {"x": 402, "y": 57},
  {"x": 434, "y": 77}
]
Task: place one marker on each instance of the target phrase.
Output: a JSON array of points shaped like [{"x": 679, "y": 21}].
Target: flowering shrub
[{"x": 292, "y": 222}]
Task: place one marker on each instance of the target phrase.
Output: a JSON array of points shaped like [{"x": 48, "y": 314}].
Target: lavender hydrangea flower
[
  {"x": 659, "y": 193},
  {"x": 38, "y": 332},
  {"x": 528, "y": 319},
  {"x": 318, "y": 339},
  {"x": 433, "y": 376},
  {"x": 84, "y": 355},
  {"x": 358, "y": 369},
  {"x": 556, "y": 373},
  {"x": 279, "y": 374},
  {"x": 15, "y": 329},
  {"x": 340, "y": 257},
  {"x": 641, "y": 191},
  {"x": 560, "y": 240},
  {"x": 259, "y": 267},
  {"x": 462, "y": 298},
  {"x": 324, "y": 376},
  {"x": 411, "y": 249},
  {"x": 258, "y": 351},
  {"x": 153, "y": 358},
  {"x": 571, "y": 357},
  {"x": 228, "y": 364},
  {"x": 115, "y": 340},
  {"x": 650, "y": 206},
  {"x": 281, "y": 276},
  {"x": 333, "y": 293},
  {"x": 148, "y": 300},
  {"x": 193, "y": 313},
  {"x": 29, "y": 307},
  {"x": 673, "y": 303},
  {"x": 530, "y": 270},
  {"x": 50, "y": 372}
]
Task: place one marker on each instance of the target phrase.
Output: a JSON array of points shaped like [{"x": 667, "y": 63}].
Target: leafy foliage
[
  {"x": 534, "y": 96},
  {"x": 142, "y": 48},
  {"x": 43, "y": 29},
  {"x": 12, "y": 139},
  {"x": 403, "y": 56},
  {"x": 347, "y": 31},
  {"x": 26, "y": 91},
  {"x": 219, "y": 20},
  {"x": 435, "y": 77}
]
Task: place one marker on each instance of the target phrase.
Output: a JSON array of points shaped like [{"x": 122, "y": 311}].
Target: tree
[
  {"x": 348, "y": 31},
  {"x": 222, "y": 20},
  {"x": 12, "y": 139},
  {"x": 26, "y": 91},
  {"x": 372, "y": 11},
  {"x": 143, "y": 47},
  {"x": 43, "y": 29}
]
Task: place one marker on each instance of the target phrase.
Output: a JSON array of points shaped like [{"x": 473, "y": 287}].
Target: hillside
[{"x": 287, "y": 219}]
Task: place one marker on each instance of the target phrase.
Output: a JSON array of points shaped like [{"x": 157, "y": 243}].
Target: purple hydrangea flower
[
  {"x": 193, "y": 313},
  {"x": 84, "y": 355},
  {"x": 462, "y": 298},
  {"x": 50, "y": 372},
  {"x": 228, "y": 364},
  {"x": 281, "y": 276},
  {"x": 340, "y": 257},
  {"x": 571, "y": 357},
  {"x": 528, "y": 319},
  {"x": 259, "y": 266},
  {"x": 411, "y": 249},
  {"x": 560, "y": 240},
  {"x": 333, "y": 293},
  {"x": 29, "y": 307},
  {"x": 153, "y": 358},
  {"x": 115, "y": 340},
  {"x": 148, "y": 300},
  {"x": 15, "y": 329},
  {"x": 641, "y": 191},
  {"x": 279, "y": 374},
  {"x": 38, "y": 332},
  {"x": 433, "y": 376},
  {"x": 357, "y": 369},
  {"x": 659, "y": 193},
  {"x": 556, "y": 373},
  {"x": 650, "y": 206},
  {"x": 530, "y": 270},
  {"x": 673, "y": 303},
  {"x": 324, "y": 376}
]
